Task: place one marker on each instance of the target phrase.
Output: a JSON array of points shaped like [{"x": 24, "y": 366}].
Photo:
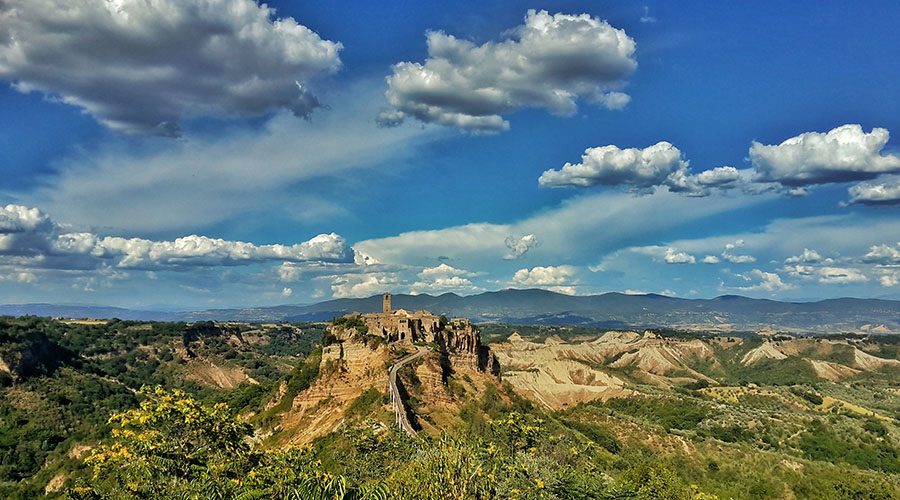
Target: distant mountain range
[{"x": 610, "y": 310}]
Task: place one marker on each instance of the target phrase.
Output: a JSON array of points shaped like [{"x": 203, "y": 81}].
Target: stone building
[
  {"x": 459, "y": 339},
  {"x": 402, "y": 325}
]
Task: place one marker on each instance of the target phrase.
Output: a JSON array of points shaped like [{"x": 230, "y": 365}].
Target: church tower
[{"x": 387, "y": 303}]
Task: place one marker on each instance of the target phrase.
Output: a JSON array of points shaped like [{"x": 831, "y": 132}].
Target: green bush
[
  {"x": 364, "y": 405},
  {"x": 669, "y": 412},
  {"x": 600, "y": 435}
]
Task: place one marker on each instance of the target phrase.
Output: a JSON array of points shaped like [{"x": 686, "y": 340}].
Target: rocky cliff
[
  {"x": 358, "y": 362},
  {"x": 461, "y": 343}
]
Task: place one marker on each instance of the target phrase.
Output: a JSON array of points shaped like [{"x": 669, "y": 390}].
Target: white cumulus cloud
[
  {"x": 843, "y": 154},
  {"x": 196, "y": 250},
  {"x": 763, "y": 281},
  {"x": 442, "y": 271},
  {"x": 884, "y": 191},
  {"x": 139, "y": 66},
  {"x": 883, "y": 254},
  {"x": 445, "y": 284},
  {"x": 840, "y": 275},
  {"x": 800, "y": 271},
  {"x": 549, "y": 62},
  {"x": 520, "y": 246},
  {"x": 641, "y": 169},
  {"x": 730, "y": 255},
  {"x": 611, "y": 166},
  {"x": 545, "y": 276},
  {"x": 669, "y": 255},
  {"x": 28, "y": 232},
  {"x": 362, "y": 285},
  {"x": 807, "y": 256},
  {"x": 443, "y": 278},
  {"x": 675, "y": 257}
]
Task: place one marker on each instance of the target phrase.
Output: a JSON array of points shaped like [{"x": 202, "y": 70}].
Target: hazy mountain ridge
[{"x": 727, "y": 312}]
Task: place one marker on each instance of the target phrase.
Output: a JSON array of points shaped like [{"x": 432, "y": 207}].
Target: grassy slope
[{"x": 769, "y": 441}]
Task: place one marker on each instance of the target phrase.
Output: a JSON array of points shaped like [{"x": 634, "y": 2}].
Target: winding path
[{"x": 396, "y": 401}]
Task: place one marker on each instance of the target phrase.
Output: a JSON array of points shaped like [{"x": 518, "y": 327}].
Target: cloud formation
[
  {"x": 883, "y": 254},
  {"x": 444, "y": 278},
  {"x": 675, "y": 257},
  {"x": 810, "y": 255},
  {"x": 28, "y": 233},
  {"x": 442, "y": 271},
  {"x": 362, "y": 285},
  {"x": 668, "y": 255},
  {"x": 843, "y": 154},
  {"x": 520, "y": 246},
  {"x": 800, "y": 271},
  {"x": 840, "y": 275},
  {"x": 577, "y": 230},
  {"x": 807, "y": 256},
  {"x": 549, "y": 62},
  {"x": 880, "y": 192},
  {"x": 701, "y": 184},
  {"x": 139, "y": 66},
  {"x": 179, "y": 186},
  {"x": 641, "y": 169},
  {"x": 889, "y": 278},
  {"x": 543, "y": 276},
  {"x": 735, "y": 258},
  {"x": 18, "y": 277},
  {"x": 764, "y": 282},
  {"x": 442, "y": 285}
]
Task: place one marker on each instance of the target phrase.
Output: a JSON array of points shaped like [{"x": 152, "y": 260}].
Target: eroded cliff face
[
  {"x": 358, "y": 362},
  {"x": 346, "y": 370},
  {"x": 558, "y": 374},
  {"x": 462, "y": 344},
  {"x": 432, "y": 372}
]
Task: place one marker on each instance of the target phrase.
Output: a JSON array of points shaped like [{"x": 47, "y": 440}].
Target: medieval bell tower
[{"x": 386, "y": 306}]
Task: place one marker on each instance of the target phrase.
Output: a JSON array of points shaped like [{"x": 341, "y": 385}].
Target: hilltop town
[
  {"x": 457, "y": 337},
  {"x": 406, "y": 354}
]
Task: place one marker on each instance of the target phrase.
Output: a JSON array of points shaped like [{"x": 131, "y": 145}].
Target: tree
[{"x": 652, "y": 481}]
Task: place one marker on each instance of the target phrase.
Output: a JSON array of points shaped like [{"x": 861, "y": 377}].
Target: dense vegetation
[
  {"x": 769, "y": 430},
  {"x": 175, "y": 447},
  {"x": 66, "y": 378}
]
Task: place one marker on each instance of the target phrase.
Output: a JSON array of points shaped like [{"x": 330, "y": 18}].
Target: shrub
[{"x": 175, "y": 447}]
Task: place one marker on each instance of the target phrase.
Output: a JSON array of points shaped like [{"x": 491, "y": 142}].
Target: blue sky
[{"x": 219, "y": 153}]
